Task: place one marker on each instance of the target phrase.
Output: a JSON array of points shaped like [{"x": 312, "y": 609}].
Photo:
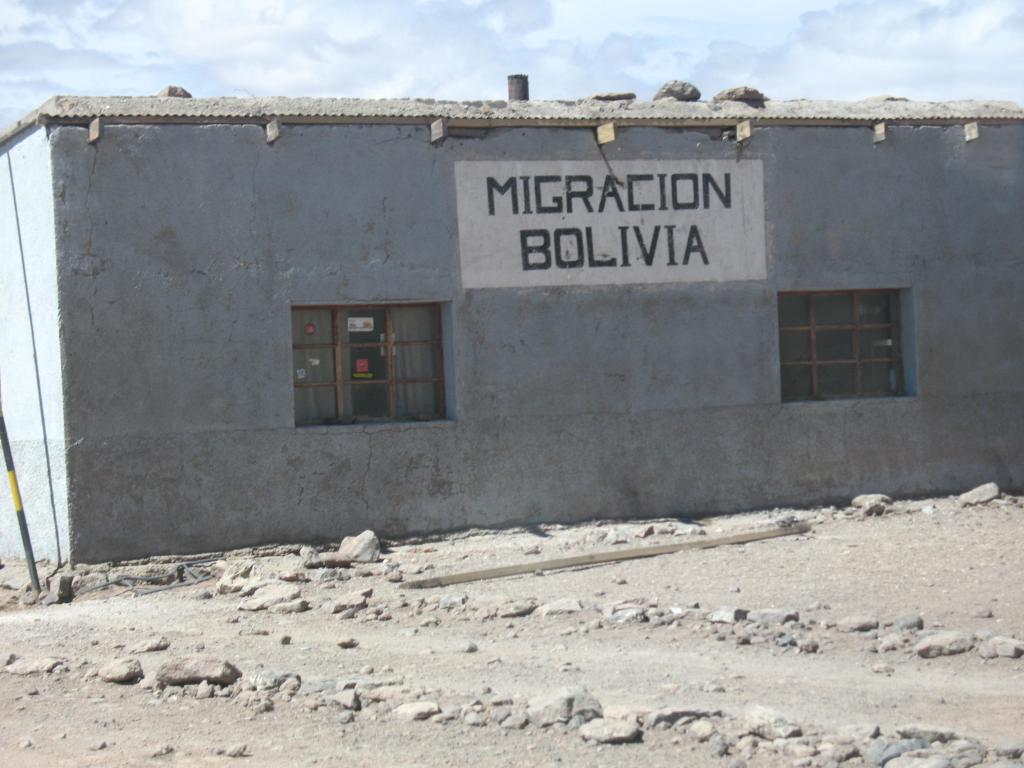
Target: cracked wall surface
[
  {"x": 31, "y": 375},
  {"x": 182, "y": 249}
]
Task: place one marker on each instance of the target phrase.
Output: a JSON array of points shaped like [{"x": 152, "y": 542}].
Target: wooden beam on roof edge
[
  {"x": 744, "y": 131},
  {"x": 273, "y": 130},
  {"x": 95, "y": 130},
  {"x": 439, "y": 130},
  {"x": 972, "y": 131},
  {"x": 879, "y": 133}
]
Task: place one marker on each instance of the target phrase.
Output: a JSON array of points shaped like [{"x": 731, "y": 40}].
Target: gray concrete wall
[
  {"x": 183, "y": 248},
  {"x": 30, "y": 360}
]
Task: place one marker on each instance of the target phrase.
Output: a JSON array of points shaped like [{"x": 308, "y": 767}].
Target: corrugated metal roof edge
[{"x": 79, "y": 110}]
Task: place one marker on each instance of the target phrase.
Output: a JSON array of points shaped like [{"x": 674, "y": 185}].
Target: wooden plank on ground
[{"x": 597, "y": 558}]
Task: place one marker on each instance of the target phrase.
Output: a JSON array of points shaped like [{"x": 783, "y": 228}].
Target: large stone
[
  {"x": 123, "y": 671},
  {"x": 62, "y": 591},
  {"x": 680, "y": 90},
  {"x": 769, "y": 724},
  {"x": 266, "y": 597},
  {"x": 416, "y": 710},
  {"x": 364, "y": 548},
  {"x": 516, "y": 609},
  {"x": 152, "y": 645},
  {"x": 666, "y": 717},
  {"x": 857, "y": 623},
  {"x": 564, "y": 705},
  {"x": 560, "y": 607},
  {"x": 980, "y": 495},
  {"x": 910, "y": 621},
  {"x": 742, "y": 93},
  {"x": 923, "y": 761},
  {"x": 947, "y": 643},
  {"x": 1007, "y": 647},
  {"x": 607, "y": 731},
  {"x": 614, "y": 96},
  {"x": 192, "y": 670}
]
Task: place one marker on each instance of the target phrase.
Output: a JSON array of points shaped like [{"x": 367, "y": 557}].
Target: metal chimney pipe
[{"x": 518, "y": 88}]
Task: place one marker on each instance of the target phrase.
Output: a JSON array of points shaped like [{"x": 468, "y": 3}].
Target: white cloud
[{"x": 464, "y": 48}]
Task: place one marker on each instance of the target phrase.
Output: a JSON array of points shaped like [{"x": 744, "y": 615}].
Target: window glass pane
[
  {"x": 837, "y": 380},
  {"x": 414, "y": 323},
  {"x": 314, "y": 405},
  {"x": 313, "y": 366},
  {"x": 793, "y": 310},
  {"x": 796, "y": 382},
  {"x": 367, "y": 364},
  {"x": 880, "y": 379},
  {"x": 834, "y": 345},
  {"x": 363, "y": 326},
  {"x": 833, "y": 309},
  {"x": 795, "y": 346},
  {"x": 415, "y": 362},
  {"x": 418, "y": 401},
  {"x": 312, "y": 326},
  {"x": 877, "y": 342},
  {"x": 366, "y": 401},
  {"x": 875, "y": 307}
]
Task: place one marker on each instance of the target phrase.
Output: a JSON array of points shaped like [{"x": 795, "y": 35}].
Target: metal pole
[{"x": 12, "y": 478}]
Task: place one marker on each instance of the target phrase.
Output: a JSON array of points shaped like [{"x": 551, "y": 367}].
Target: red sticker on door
[{"x": 362, "y": 365}]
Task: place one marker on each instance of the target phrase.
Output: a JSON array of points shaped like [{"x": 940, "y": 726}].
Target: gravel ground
[{"x": 641, "y": 641}]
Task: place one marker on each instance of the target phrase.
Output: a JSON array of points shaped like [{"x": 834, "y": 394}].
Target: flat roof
[{"x": 578, "y": 113}]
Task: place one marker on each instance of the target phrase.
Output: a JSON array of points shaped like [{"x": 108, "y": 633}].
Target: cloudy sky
[{"x": 925, "y": 49}]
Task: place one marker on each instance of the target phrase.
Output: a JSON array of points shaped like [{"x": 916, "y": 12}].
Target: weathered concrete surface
[
  {"x": 566, "y": 404},
  {"x": 27, "y": 202}
]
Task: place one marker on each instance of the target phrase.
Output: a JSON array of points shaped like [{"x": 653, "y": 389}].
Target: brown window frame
[
  {"x": 338, "y": 347},
  {"x": 894, "y": 326}
]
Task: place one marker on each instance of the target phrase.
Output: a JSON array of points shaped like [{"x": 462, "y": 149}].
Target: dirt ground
[{"x": 641, "y": 642}]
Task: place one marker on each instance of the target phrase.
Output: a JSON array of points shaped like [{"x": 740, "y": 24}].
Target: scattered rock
[
  {"x": 560, "y": 607},
  {"x": 268, "y": 596},
  {"x": 204, "y": 690},
  {"x": 416, "y": 710},
  {"x": 1007, "y": 647},
  {"x": 364, "y": 548},
  {"x": 453, "y": 600},
  {"x": 348, "y": 642},
  {"x": 174, "y": 92},
  {"x": 151, "y": 645},
  {"x": 980, "y": 495},
  {"x": 607, "y": 731},
  {"x": 564, "y": 705},
  {"x": 192, "y": 670},
  {"x": 679, "y": 90},
  {"x": 857, "y": 623},
  {"x": 235, "y": 577},
  {"x": 772, "y": 616},
  {"x": 468, "y": 647},
  {"x": 162, "y": 751},
  {"x": 62, "y": 592},
  {"x": 910, "y": 621},
  {"x": 616, "y": 536},
  {"x": 291, "y": 606},
  {"x": 123, "y": 671},
  {"x": 872, "y": 503},
  {"x": 727, "y": 615},
  {"x": 347, "y": 699},
  {"x": 742, "y": 93},
  {"x": 516, "y": 609},
  {"x": 238, "y": 750},
  {"x": 882, "y": 751},
  {"x": 925, "y": 733},
  {"x": 947, "y": 643},
  {"x": 768, "y": 724},
  {"x": 34, "y": 666},
  {"x": 914, "y": 761}
]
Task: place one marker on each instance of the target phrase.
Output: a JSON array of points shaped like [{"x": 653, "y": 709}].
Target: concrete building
[{"x": 235, "y": 321}]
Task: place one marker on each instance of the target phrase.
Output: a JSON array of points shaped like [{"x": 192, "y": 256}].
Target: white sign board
[{"x": 542, "y": 223}]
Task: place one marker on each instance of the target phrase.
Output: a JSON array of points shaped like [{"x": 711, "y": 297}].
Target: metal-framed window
[
  {"x": 380, "y": 362},
  {"x": 836, "y": 344}
]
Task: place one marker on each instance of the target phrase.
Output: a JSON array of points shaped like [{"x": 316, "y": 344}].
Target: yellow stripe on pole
[{"x": 15, "y": 493}]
